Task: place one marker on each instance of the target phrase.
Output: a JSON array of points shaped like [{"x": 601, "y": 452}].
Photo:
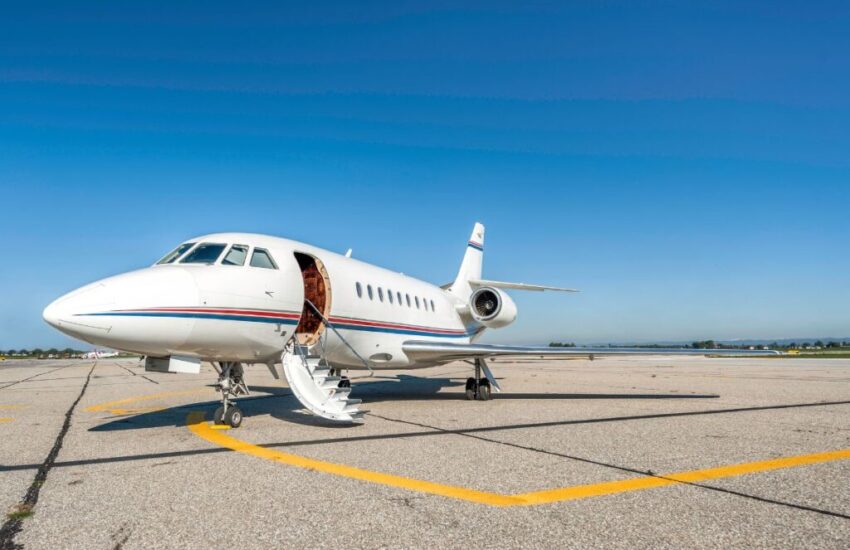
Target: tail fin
[{"x": 470, "y": 268}]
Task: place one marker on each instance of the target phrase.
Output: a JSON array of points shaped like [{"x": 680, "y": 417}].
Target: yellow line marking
[
  {"x": 13, "y": 407},
  {"x": 5, "y": 419},
  {"x": 112, "y": 406},
  {"x": 693, "y": 476},
  {"x": 204, "y": 430},
  {"x": 200, "y": 428},
  {"x": 219, "y": 427}
]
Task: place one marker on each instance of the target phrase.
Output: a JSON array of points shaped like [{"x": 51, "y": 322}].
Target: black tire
[
  {"x": 233, "y": 416},
  {"x": 344, "y": 383},
  {"x": 470, "y": 389},
  {"x": 218, "y": 416},
  {"x": 484, "y": 390}
]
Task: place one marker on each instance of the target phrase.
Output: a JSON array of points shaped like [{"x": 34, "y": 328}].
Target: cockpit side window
[
  {"x": 262, "y": 258},
  {"x": 204, "y": 253},
  {"x": 176, "y": 253},
  {"x": 236, "y": 255}
]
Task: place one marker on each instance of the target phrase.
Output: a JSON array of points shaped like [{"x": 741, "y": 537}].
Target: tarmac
[{"x": 647, "y": 452}]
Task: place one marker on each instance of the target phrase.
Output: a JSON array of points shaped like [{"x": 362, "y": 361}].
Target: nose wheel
[{"x": 230, "y": 385}]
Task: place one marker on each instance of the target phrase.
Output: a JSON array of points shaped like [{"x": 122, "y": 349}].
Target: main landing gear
[
  {"x": 231, "y": 385},
  {"x": 478, "y": 388},
  {"x": 344, "y": 381}
]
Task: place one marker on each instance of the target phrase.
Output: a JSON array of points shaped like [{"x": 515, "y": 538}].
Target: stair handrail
[
  {"x": 344, "y": 341},
  {"x": 298, "y": 350}
]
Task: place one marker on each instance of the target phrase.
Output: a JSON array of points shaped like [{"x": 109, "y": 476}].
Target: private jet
[
  {"x": 310, "y": 315},
  {"x": 99, "y": 354}
]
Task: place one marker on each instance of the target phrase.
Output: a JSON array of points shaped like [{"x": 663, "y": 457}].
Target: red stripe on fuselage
[
  {"x": 290, "y": 315},
  {"x": 223, "y": 311},
  {"x": 379, "y": 324}
]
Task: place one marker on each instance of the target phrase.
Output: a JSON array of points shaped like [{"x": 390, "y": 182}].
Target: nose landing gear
[{"x": 231, "y": 385}]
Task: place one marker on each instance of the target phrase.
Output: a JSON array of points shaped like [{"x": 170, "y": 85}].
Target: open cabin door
[{"x": 317, "y": 289}]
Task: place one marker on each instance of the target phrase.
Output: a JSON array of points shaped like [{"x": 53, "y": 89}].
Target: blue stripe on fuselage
[
  {"x": 215, "y": 316},
  {"x": 254, "y": 319}
]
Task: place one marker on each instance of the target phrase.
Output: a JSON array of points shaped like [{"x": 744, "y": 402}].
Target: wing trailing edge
[
  {"x": 444, "y": 352},
  {"x": 517, "y": 286}
]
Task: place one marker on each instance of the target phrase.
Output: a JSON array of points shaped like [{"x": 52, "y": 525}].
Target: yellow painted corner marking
[
  {"x": 694, "y": 476},
  {"x": 114, "y": 406},
  {"x": 219, "y": 427},
  {"x": 204, "y": 430}
]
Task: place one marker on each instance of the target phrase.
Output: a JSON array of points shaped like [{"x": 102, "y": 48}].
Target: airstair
[{"x": 317, "y": 385}]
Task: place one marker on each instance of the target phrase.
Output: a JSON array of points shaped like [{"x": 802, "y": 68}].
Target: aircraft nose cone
[
  {"x": 52, "y": 313},
  {"x": 66, "y": 313}
]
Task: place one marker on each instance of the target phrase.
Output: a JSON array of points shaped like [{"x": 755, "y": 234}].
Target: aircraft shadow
[{"x": 280, "y": 403}]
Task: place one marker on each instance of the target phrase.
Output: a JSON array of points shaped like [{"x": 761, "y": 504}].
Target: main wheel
[
  {"x": 470, "y": 388},
  {"x": 233, "y": 416},
  {"x": 218, "y": 416},
  {"x": 484, "y": 390}
]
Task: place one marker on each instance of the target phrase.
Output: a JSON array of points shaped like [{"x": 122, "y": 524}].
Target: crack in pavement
[
  {"x": 35, "y": 376},
  {"x": 647, "y": 473},
  {"x": 13, "y": 523}
]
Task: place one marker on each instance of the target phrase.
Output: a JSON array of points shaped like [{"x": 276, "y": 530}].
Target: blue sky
[{"x": 686, "y": 166}]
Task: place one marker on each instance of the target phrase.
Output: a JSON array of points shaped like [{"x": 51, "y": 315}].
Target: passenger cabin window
[
  {"x": 432, "y": 305},
  {"x": 236, "y": 255},
  {"x": 176, "y": 253},
  {"x": 204, "y": 253},
  {"x": 390, "y": 295},
  {"x": 408, "y": 299},
  {"x": 417, "y": 301},
  {"x": 262, "y": 258},
  {"x": 398, "y": 295},
  {"x": 369, "y": 291},
  {"x": 381, "y": 294},
  {"x": 359, "y": 288}
]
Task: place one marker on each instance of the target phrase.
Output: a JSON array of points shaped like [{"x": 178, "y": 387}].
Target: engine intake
[{"x": 492, "y": 308}]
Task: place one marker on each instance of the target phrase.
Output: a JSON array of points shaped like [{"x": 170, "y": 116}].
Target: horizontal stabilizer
[{"x": 517, "y": 286}]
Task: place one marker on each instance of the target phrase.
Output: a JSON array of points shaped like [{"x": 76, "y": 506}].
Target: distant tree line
[
  {"x": 712, "y": 344},
  {"x": 818, "y": 344},
  {"x": 42, "y": 353}
]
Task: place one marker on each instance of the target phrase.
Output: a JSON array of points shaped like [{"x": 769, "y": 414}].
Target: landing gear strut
[
  {"x": 478, "y": 388},
  {"x": 231, "y": 385}
]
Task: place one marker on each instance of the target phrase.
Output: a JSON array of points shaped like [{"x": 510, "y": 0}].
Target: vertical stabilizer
[{"x": 470, "y": 268}]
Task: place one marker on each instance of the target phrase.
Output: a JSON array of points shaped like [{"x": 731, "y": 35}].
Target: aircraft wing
[
  {"x": 439, "y": 352},
  {"x": 517, "y": 286}
]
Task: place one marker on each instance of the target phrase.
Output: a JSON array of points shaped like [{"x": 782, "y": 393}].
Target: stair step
[
  {"x": 316, "y": 385},
  {"x": 350, "y": 405},
  {"x": 329, "y": 382},
  {"x": 340, "y": 393}
]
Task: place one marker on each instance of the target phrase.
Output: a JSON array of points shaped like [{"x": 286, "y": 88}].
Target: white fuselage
[{"x": 246, "y": 313}]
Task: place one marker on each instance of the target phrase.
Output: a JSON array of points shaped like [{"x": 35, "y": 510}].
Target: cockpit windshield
[
  {"x": 176, "y": 253},
  {"x": 204, "y": 253}
]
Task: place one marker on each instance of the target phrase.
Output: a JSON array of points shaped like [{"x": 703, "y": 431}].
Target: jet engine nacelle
[{"x": 492, "y": 308}]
